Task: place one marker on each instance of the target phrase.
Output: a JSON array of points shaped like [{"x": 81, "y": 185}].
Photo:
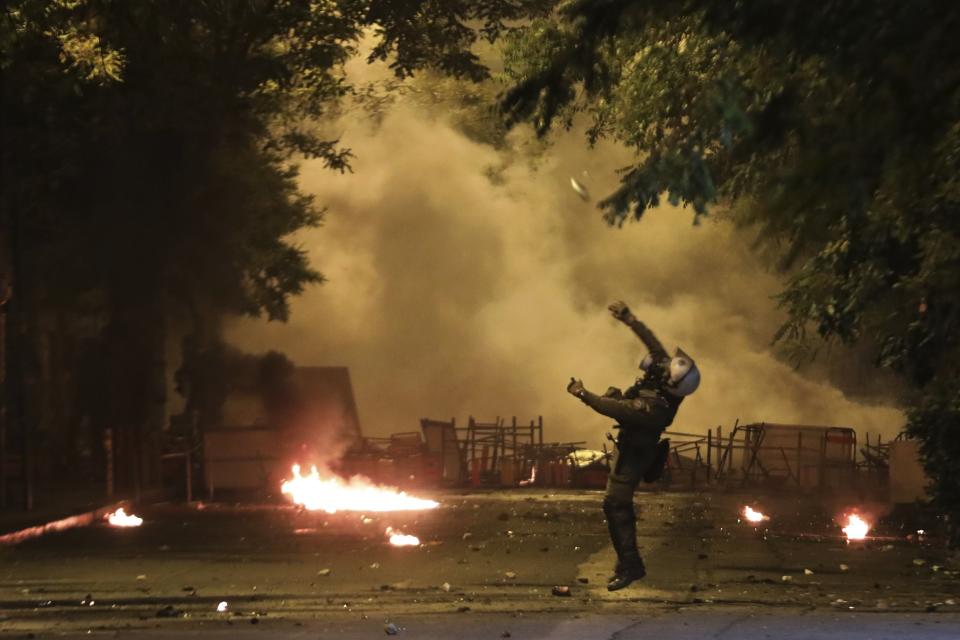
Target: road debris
[
  {"x": 844, "y": 567},
  {"x": 169, "y": 612},
  {"x": 391, "y": 629},
  {"x": 510, "y": 575},
  {"x": 446, "y": 587},
  {"x": 323, "y": 572},
  {"x": 807, "y": 572},
  {"x": 561, "y": 590}
]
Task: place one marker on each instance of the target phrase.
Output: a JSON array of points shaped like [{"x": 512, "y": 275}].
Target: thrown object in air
[{"x": 580, "y": 189}]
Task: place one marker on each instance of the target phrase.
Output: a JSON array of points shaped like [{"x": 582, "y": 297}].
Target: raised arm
[{"x": 622, "y": 312}]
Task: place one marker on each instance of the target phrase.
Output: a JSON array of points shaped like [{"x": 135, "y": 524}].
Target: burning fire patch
[
  {"x": 357, "y": 494},
  {"x": 398, "y": 539},
  {"x": 751, "y": 515},
  {"x": 120, "y": 518},
  {"x": 856, "y": 528}
]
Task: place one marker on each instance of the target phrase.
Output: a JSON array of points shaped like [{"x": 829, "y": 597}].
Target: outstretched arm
[
  {"x": 631, "y": 413},
  {"x": 622, "y": 312}
]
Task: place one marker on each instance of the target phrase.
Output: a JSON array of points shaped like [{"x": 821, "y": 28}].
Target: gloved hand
[
  {"x": 622, "y": 312},
  {"x": 575, "y": 388}
]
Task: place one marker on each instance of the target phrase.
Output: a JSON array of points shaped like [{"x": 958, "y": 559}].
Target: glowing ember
[
  {"x": 357, "y": 494},
  {"x": 754, "y": 516},
  {"x": 398, "y": 539},
  {"x": 857, "y": 528},
  {"x": 120, "y": 519}
]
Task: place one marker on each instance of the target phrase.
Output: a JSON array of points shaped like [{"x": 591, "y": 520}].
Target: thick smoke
[{"x": 454, "y": 294}]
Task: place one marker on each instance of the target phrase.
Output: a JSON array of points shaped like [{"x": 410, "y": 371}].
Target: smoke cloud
[{"x": 454, "y": 293}]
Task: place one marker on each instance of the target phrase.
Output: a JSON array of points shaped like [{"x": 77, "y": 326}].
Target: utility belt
[
  {"x": 659, "y": 462},
  {"x": 632, "y": 437}
]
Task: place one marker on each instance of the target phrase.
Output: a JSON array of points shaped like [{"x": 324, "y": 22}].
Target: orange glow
[
  {"x": 754, "y": 516},
  {"x": 119, "y": 518},
  {"x": 356, "y": 494},
  {"x": 398, "y": 539},
  {"x": 857, "y": 528}
]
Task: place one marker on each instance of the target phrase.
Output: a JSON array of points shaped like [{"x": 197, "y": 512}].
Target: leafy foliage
[
  {"x": 149, "y": 162},
  {"x": 832, "y": 126}
]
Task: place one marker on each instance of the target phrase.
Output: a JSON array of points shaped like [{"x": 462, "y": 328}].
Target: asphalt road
[{"x": 486, "y": 566}]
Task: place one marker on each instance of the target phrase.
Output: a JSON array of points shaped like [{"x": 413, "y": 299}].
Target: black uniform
[{"x": 642, "y": 413}]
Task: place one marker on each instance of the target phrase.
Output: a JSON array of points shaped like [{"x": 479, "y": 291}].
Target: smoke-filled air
[{"x": 463, "y": 280}]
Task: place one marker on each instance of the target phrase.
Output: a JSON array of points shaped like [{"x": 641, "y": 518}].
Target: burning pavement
[{"x": 483, "y": 552}]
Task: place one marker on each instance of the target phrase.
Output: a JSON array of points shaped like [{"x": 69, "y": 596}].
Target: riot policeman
[{"x": 642, "y": 413}]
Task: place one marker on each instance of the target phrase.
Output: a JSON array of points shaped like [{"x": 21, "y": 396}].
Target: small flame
[
  {"x": 754, "y": 516},
  {"x": 532, "y": 478},
  {"x": 857, "y": 528},
  {"x": 398, "y": 539},
  {"x": 357, "y": 494},
  {"x": 120, "y": 519}
]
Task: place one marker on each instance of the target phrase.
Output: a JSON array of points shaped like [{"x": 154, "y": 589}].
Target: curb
[{"x": 78, "y": 520}]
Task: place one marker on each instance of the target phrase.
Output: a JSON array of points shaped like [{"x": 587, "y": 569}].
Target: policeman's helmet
[{"x": 684, "y": 375}]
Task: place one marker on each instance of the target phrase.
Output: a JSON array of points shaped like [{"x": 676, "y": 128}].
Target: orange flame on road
[
  {"x": 754, "y": 516},
  {"x": 357, "y": 494},
  {"x": 119, "y": 518},
  {"x": 401, "y": 539},
  {"x": 857, "y": 528}
]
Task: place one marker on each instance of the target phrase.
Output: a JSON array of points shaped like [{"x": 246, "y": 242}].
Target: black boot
[
  {"x": 610, "y": 511},
  {"x": 631, "y": 568},
  {"x": 622, "y": 524}
]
